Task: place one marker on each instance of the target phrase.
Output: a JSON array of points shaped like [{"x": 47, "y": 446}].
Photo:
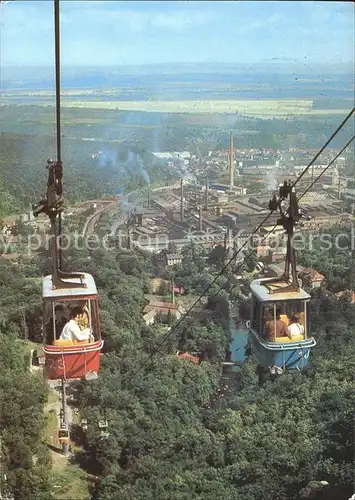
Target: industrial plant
[
  {"x": 220, "y": 198},
  {"x": 201, "y": 208}
]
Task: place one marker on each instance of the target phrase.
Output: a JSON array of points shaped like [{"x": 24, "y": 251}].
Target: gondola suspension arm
[{"x": 52, "y": 204}]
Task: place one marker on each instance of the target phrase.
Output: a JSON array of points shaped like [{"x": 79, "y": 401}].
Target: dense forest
[
  {"x": 169, "y": 437},
  {"x": 24, "y": 457},
  {"x": 332, "y": 253}
]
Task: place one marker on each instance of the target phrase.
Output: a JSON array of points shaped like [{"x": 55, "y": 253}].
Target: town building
[
  {"x": 173, "y": 258},
  {"x": 311, "y": 278},
  {"x": 156, "y": 307}
]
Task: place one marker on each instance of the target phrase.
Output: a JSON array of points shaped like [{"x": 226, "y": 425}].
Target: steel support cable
[
  {"x": 170, "y": 333},
  {"x": 57, "y": 110}
]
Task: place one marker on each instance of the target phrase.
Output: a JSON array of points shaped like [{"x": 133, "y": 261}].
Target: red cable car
[{"x": 71, "y": 359}]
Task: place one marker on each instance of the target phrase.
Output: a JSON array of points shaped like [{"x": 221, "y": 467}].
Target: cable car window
[
  {"x": 256, "y": 320},
  {"x": 57, "y": 314},
  {"x": 252, "y": 309},
  {"x": 307, "y": 325},
  {"x": 297, "y": 306},
  {"x": 268, "y": 313},
  {"x": 55, "y": 317},
  {"x": 282, "y": 309},
  {"x": 95, "y": 321},
  {"x": 48, "y": 323},
  {"x": 286, "y": 309},
  {"x": 85, "y": 320}
]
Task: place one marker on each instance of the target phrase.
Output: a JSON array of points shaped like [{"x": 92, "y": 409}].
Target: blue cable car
[
  {"x": 287, "y": 351},
  {"x": 279, "y": 330}
]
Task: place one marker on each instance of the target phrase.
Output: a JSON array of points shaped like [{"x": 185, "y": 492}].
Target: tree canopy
[{"x": 169, "y": 435}]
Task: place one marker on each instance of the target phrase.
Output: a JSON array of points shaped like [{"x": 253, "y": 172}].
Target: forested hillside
[
  {"x": 166, "y": 440},
  {"x": 332, "y": 253},
  {"x": 24, "y": 457}
]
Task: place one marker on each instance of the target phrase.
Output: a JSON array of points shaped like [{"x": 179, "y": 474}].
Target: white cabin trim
[
  {"x": 263, "y": 295},
  {"x": 49, "y": 293}
]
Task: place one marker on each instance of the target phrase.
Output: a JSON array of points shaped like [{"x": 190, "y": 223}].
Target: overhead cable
[{"x": 57, "y": 109}]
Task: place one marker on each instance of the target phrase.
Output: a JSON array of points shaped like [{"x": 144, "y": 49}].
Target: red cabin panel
[{"x": 72, "y": 362}]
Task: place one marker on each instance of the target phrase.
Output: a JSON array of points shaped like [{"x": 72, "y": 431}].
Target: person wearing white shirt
[
  {"x": 72, "y": 330},
  {"x": 295, "y": 328}
]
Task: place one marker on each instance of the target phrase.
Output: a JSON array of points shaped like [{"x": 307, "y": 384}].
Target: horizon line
[{"x": 185, "y": 63}]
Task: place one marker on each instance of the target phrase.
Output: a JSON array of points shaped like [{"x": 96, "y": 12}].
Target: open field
[
  {"x": 260, "y": 108},
  {"x": 248, "y": 107},
  {"x": 257, "y": 108},
  {"x": 217, "y": 91}
]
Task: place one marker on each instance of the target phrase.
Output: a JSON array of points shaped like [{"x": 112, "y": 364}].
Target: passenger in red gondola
[
  {"x": 275, "y": 327},
  {"x": 72, "y": 330},
  {"x": 84, "y": 317}
]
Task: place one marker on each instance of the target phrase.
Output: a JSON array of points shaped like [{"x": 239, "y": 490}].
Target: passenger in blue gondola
[
  {"x": 274, "y": 326},
  {"x": 72, "y": 330},
  {"x": 295, "y": 327},
  {"x": 267, "y": 318}
]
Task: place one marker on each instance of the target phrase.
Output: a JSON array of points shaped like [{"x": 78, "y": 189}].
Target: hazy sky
[{"x": 114, "y": 33}]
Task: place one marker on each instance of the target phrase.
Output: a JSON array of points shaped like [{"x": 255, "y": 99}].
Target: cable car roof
[
  {"x": 49, "y": 293},
  {"x": 262, "y": 293}
]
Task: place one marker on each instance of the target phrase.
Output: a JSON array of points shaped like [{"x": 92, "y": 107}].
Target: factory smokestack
[
  {"x": 148, "y": 201},
  {"x": 231, "y": 162},
  {"x": 206, "y": 195},
  {"x": 182, "y": 200},
  {"x": 200, "y": 218}
]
